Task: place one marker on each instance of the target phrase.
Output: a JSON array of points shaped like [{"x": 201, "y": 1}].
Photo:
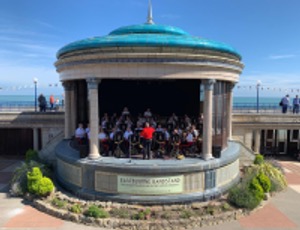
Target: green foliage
[
  {"x": 264, "y": 181},
  {"x": 256, "y": 188},
  {"x": 226, "y": 207},
  {"x": 241, "y": 197},
  {"x": 37, "y": 184},
  {"x": 186, "y": 214},
  {"x": 19, "y": 180},
  {"x": 259, "y": 159},
  {"x": 33, "y": 177},
  {"x": 276, "y": 177},
  {"x": 142, "y": 214},
  {"x": 121, "y": 213},
  {"x": 45, "y": 186},
  {"x": 76, "y": 208},
  {"x": 58, "y": 203},
  {"x": 96, "y": 212},
  {"x": 31, "y": 155}
]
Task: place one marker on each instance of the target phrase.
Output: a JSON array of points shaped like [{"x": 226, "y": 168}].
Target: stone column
[
  {"x": 35, "y": 139},
  {"x": 73, "y": 122},
  {"x": 257, "y": 141},
  {"x": 229, "y": 109},
  {"x": 207, "y": 120},
  {"x": 68, "y": 119},
  {"x": 93, "y": 117}
]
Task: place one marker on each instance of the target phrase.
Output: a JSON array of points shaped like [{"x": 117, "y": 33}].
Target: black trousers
[{"x": 147, "y": 148}]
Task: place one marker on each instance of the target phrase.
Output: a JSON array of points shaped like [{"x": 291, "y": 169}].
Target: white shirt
[
  {"x": 102, "y": 136},
  {"x": 79, "y": 133},
  {"x": 189, "y": 137},
  {"x": 147, "y": 114},
  {"x": 127, "y": 134},
  {"x": 167, "y": 135}
]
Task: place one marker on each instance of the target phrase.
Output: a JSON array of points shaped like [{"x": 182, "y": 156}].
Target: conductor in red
[{"x": 147, "y": 134}]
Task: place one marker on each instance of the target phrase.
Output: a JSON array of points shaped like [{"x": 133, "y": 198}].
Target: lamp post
[
  {"x": 35, "y": 80},
  {"x": 258, "y": 84}
]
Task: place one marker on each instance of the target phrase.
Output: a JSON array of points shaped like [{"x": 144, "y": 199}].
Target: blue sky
[{"x": 265, "y": 32}]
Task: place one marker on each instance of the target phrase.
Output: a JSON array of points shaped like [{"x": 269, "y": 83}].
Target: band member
[{"x": 147, "y": 134}]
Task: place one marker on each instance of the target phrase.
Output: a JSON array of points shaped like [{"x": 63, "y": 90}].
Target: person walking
[
  {"x": 296, "y": 104},
  {"x": 285, "y": 102},
  {"x": 147, "y": 134}
]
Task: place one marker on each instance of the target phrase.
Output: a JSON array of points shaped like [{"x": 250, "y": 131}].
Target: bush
[
  {"x": 276, "y": 177},
  {"x": 33, "y": 178},
  {"x": 58, "y": 203},
  {"x": 31, "y": 155},
  {"x": 256, "y": 188},
  {"x": 259, "y": 159},
  {"x": 76, "y": 208},
  {"x": 241, "y": 197},
  {"x": 45, "y": 186},
  {"x": 19, "y": 179},
  {"x": 96, "y": 212},
  {"x": 121, "y": 213},
  {"x": 264, "y": 181}
]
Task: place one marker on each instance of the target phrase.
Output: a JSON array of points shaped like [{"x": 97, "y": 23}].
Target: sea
[{"x": 29, "y": 100}]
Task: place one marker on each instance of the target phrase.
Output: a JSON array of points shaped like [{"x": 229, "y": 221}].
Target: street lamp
[
  {"x": 35, "y": 80},
  {"x": 258, "y": 84}
]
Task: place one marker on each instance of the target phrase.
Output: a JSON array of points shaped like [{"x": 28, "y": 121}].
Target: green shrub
[
  {"x": 241, "y": 197},
  {"x": 276, "y": 177},
  {"x": 45, "y": 186},
  {"x": 186, "y": 214},
  {"x": 31, "y": 155},
  {"x": 58, "y": 203},
  {"x": 121, "y": 213},
  {"x": 256, "y": 188},
  {"x": 76, "y": 208},
  {"x": 259, "y": 159},
  {"x": 33, "y": 178},
  {"x": 264, "y": 181},
  {"x": 96, "y": 212},
  {"x": 19, "y": 179}
]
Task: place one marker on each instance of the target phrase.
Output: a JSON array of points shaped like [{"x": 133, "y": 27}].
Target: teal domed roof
[{"x": 148, "y": 35}]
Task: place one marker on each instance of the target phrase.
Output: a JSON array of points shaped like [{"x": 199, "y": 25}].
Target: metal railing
[
  {"x": 265, "y": 108},
  {"x": 22, "y": 106}
]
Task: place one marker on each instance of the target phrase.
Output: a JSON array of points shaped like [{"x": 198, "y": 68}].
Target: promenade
[{"x": 280, "y": 212}]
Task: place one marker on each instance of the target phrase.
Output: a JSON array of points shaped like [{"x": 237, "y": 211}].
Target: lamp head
[{"x": 35, "y": 80}]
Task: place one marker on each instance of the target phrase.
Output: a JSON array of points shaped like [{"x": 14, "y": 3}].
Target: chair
[
  {"x": 175, "y": 143},
  {"x": 160, "y": 141},
  {"x": 134, "y": 144}
]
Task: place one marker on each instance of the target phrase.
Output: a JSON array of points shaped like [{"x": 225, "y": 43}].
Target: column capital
[
  {"x": 230, "y": 86},
  {"x": 68, "y": 85},
  {"x": 209, "y": 84},
  {"x": 93, "y": 83}
]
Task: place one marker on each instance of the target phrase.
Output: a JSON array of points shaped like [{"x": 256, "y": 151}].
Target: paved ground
[{"x": 282, "y": 212}]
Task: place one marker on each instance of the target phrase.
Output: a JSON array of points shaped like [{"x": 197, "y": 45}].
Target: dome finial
[{"x": 150, "y": 19}]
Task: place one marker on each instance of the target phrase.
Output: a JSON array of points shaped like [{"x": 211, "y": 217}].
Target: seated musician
[
  {"x": 103, "y": 140},
  {"x": 125, "y": 113},
  {"x": 127, "y": 133},
  {"x": 80, "y": 134},
  {"x": 175, "y": 142},
  {"x": 147, "y": 113},
  {"x": 159, "y": 128}
]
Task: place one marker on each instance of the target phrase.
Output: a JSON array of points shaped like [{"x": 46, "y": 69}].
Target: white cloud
[{"x": 284, "y": 56}]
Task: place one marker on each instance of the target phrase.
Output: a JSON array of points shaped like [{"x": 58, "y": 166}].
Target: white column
[
  {"x": 68, "y": 120},
  {"x": 93, "y": 117},
  {"x": 35, "y": 139},
  {"x": 207, "y": 120},
  {"x": 73, "y": 108},
  {"x": 257, "y": 141},
  {"x": 229, "y": 110}
]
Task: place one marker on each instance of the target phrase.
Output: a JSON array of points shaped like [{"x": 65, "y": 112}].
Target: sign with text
[{"x": 150, "y": 185}]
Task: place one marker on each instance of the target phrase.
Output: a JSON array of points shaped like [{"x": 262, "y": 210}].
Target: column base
[
  {"x": 94, "y": 156},
  {"x": 207, "y": 156}
]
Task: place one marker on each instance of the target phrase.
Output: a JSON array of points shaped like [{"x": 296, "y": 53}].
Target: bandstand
[{"x": 141, "y": 66}]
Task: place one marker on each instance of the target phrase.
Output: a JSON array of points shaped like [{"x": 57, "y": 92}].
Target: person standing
[
  {"x": 42, "y": 103},
  {"x": 285, "y": 101},
  {"x": 296, "y": 104},
  {"x": 147, "y": 134},
  {"x": 51, "y": 100}
]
